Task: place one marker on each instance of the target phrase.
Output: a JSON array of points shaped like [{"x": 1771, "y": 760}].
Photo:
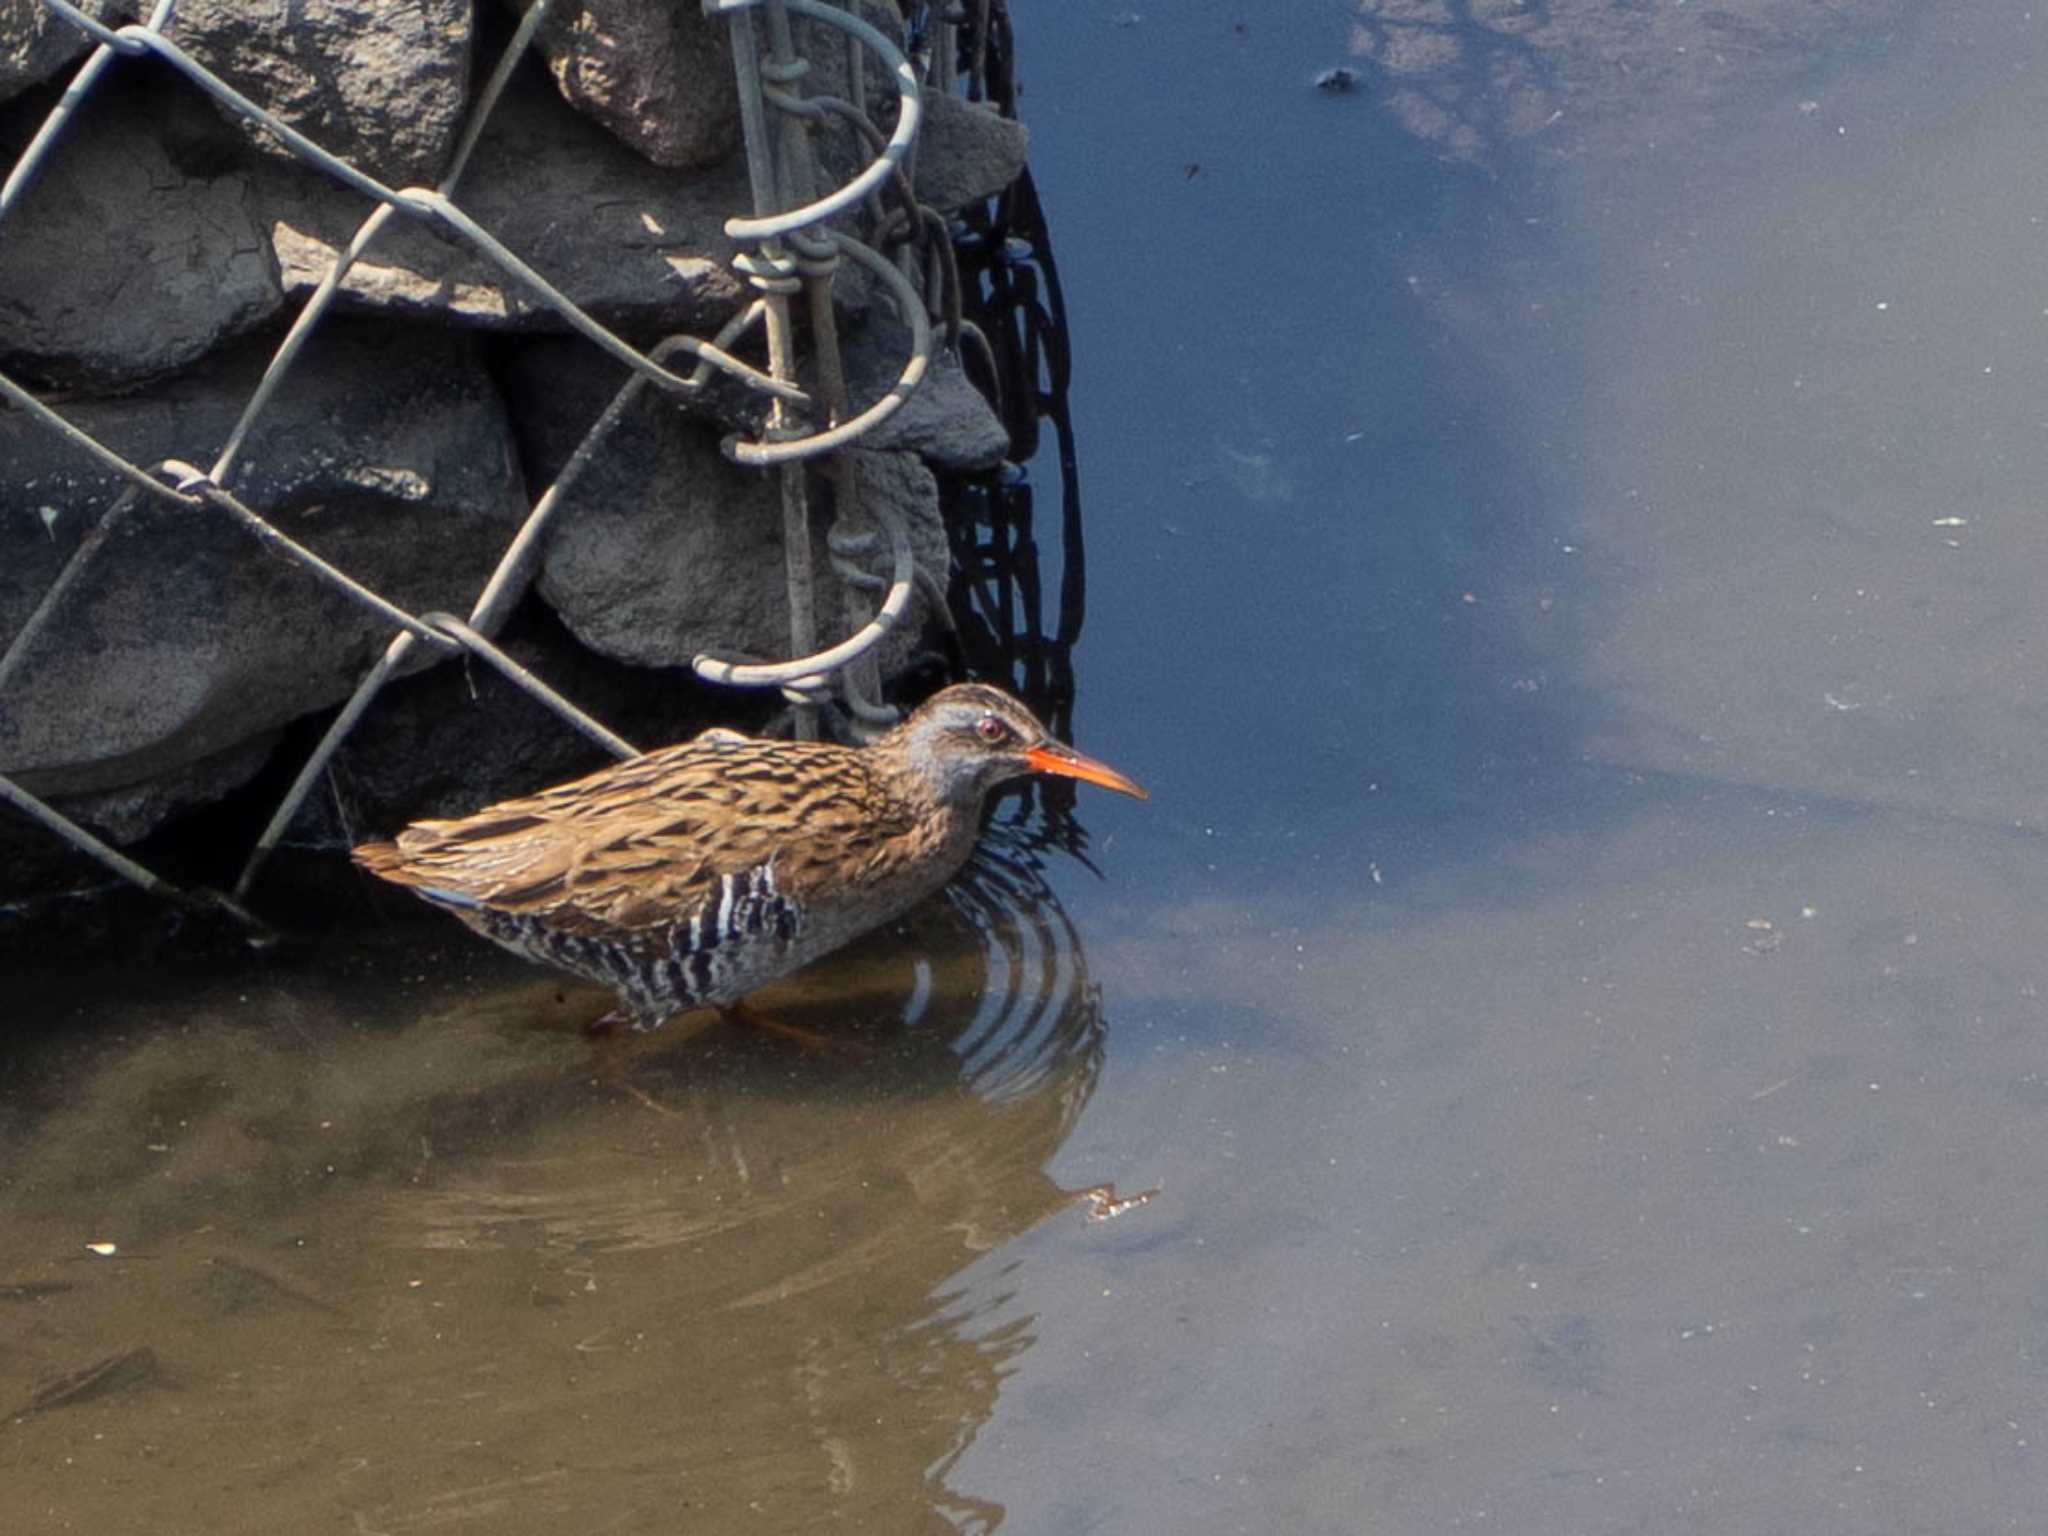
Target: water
[{"x": 1560, "y": 558}]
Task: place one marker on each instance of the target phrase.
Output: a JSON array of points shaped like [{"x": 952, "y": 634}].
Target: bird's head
[{"x": 965, "y": 740}]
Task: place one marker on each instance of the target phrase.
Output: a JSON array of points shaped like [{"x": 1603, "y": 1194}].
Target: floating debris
[
  {"x": 1104, "y": 1204},
  {"x": 1767, "y": 936},
  {"x": 1337, "y": 81}
]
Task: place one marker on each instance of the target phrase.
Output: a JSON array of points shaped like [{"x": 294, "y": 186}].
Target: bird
[{"x": 690, "y": 876}]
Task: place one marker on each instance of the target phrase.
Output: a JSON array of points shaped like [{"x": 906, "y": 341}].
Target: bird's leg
[
  {"x": 609, "y": 1025},
  {"x": 611, "y": 1042},
  {"x": 753, "y": 1018}
]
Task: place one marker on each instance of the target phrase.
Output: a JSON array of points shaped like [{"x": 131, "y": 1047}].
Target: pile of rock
[{"x": 146, "y": 277}]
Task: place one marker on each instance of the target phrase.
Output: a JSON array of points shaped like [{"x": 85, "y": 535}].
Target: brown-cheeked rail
[{"x": 690, "y": 876}]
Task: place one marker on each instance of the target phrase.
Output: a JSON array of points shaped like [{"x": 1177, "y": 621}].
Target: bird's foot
[
  {"x": 611, "y": 1044},
  {"x": 753, "y": 1018}
]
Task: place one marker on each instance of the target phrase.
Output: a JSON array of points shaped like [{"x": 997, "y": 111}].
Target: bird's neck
[{"x": 930, "y": 788}]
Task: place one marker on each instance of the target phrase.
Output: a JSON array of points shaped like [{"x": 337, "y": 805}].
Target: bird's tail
[{"x": 381, "y": 859}]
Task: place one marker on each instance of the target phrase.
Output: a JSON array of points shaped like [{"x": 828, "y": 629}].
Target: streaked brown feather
[{"x": 629, "y": 845}]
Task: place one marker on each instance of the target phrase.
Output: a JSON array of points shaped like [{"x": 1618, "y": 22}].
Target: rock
[
  {"x": 41, "y": 524},
  {"x": 825, "y": 47},
  {"x": 659, "y": 77},
  {"x": 37, "y": 861},
  {"x": 664, "y": 548},
  {"x": 841, "y": 153},
  {"x": 904, "y": 482},
  {"x": 118, "y": 266},
  {"x": 446, "y": 741},
  {"x": 180, "y": 636},
  {"x": 945, "y": 421},
  {"x": 35, "y": 42},
  {"x": 966, "y": 153},
  {"x": 382, "y": 86},
  {"x": 132, "y": 812},
  {"x": 637, "y": 247}
]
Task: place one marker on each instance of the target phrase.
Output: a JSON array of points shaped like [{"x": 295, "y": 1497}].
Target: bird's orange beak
[{"x": 1052, "y": 757}]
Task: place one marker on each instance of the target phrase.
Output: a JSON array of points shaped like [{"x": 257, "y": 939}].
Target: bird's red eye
[{"x": 991, "y": 730}]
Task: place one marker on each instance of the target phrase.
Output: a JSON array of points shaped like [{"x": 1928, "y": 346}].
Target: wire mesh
[{"x": 789, "y": 252}]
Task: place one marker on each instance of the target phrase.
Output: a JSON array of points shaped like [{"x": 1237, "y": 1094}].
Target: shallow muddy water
[{"x": 1573, "y": 585}]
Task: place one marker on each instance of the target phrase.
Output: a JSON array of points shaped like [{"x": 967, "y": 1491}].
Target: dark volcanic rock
[
  {"x": 35, "y": 42},
  {"x": 181, "y": 635},
  {"x": 659, "y": 77},
  {"x": 664, "y": 548},
  {"x": 118, "y": 266},
  {"x": 634, "y": 245},
  {"x": 946, "y": 420},
  {"x": 133, "y": 811},
  {"x": 967, "y": 152},
  {"x": 381, "y": 86},
  {"x": 446, "y": 741}
]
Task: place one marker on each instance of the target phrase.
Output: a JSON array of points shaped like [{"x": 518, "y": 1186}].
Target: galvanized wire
[
  {"x": 780, "y": 170},
  {"x": 787, "y": 218},
  {"x": 910, "y": 113}
]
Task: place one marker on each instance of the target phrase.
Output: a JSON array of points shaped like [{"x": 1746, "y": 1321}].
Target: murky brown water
[{"x": 389, "y": 1245}]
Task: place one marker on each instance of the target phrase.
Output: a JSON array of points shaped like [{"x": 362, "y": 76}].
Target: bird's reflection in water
[
  {"x": 1037, "y": 1022},
  {"x": 425, "y": 1266}
]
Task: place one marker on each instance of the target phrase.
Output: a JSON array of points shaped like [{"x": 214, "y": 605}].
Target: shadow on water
[{"x": 390, "y": 1246}]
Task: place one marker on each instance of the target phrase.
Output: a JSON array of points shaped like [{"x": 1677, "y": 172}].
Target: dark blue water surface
[
  {"x": 1567, "y": 553},
  {"x": 1566, "y": 548}
]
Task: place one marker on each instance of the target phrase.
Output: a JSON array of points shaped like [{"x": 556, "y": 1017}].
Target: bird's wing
[{"x": 678, "y": 834}]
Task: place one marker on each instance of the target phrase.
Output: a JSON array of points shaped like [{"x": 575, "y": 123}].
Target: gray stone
[
  {"x": 659, "y": 77},
  {"x": 35, "y": 861},
  {"x": 637, "y": 247},
  {"x": 446, "y": 741},
  {"x": 44, "y": 515},
  {"x": 967, "y": 152},
  {"x": 117, "y": 266},
  {"x": 35, "y": 42},
  {"x": 132, "y": 812},
  {"x": 945, "y": 420},
  {"x": 665, "y": 549},
  {"x": 379, "y": 85},
  {"x": 905, "y": 483},
  {"x": 840, "y": 152},
  {"x": 175, "y": 634},
  {"x": 824, "y": 47}
]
